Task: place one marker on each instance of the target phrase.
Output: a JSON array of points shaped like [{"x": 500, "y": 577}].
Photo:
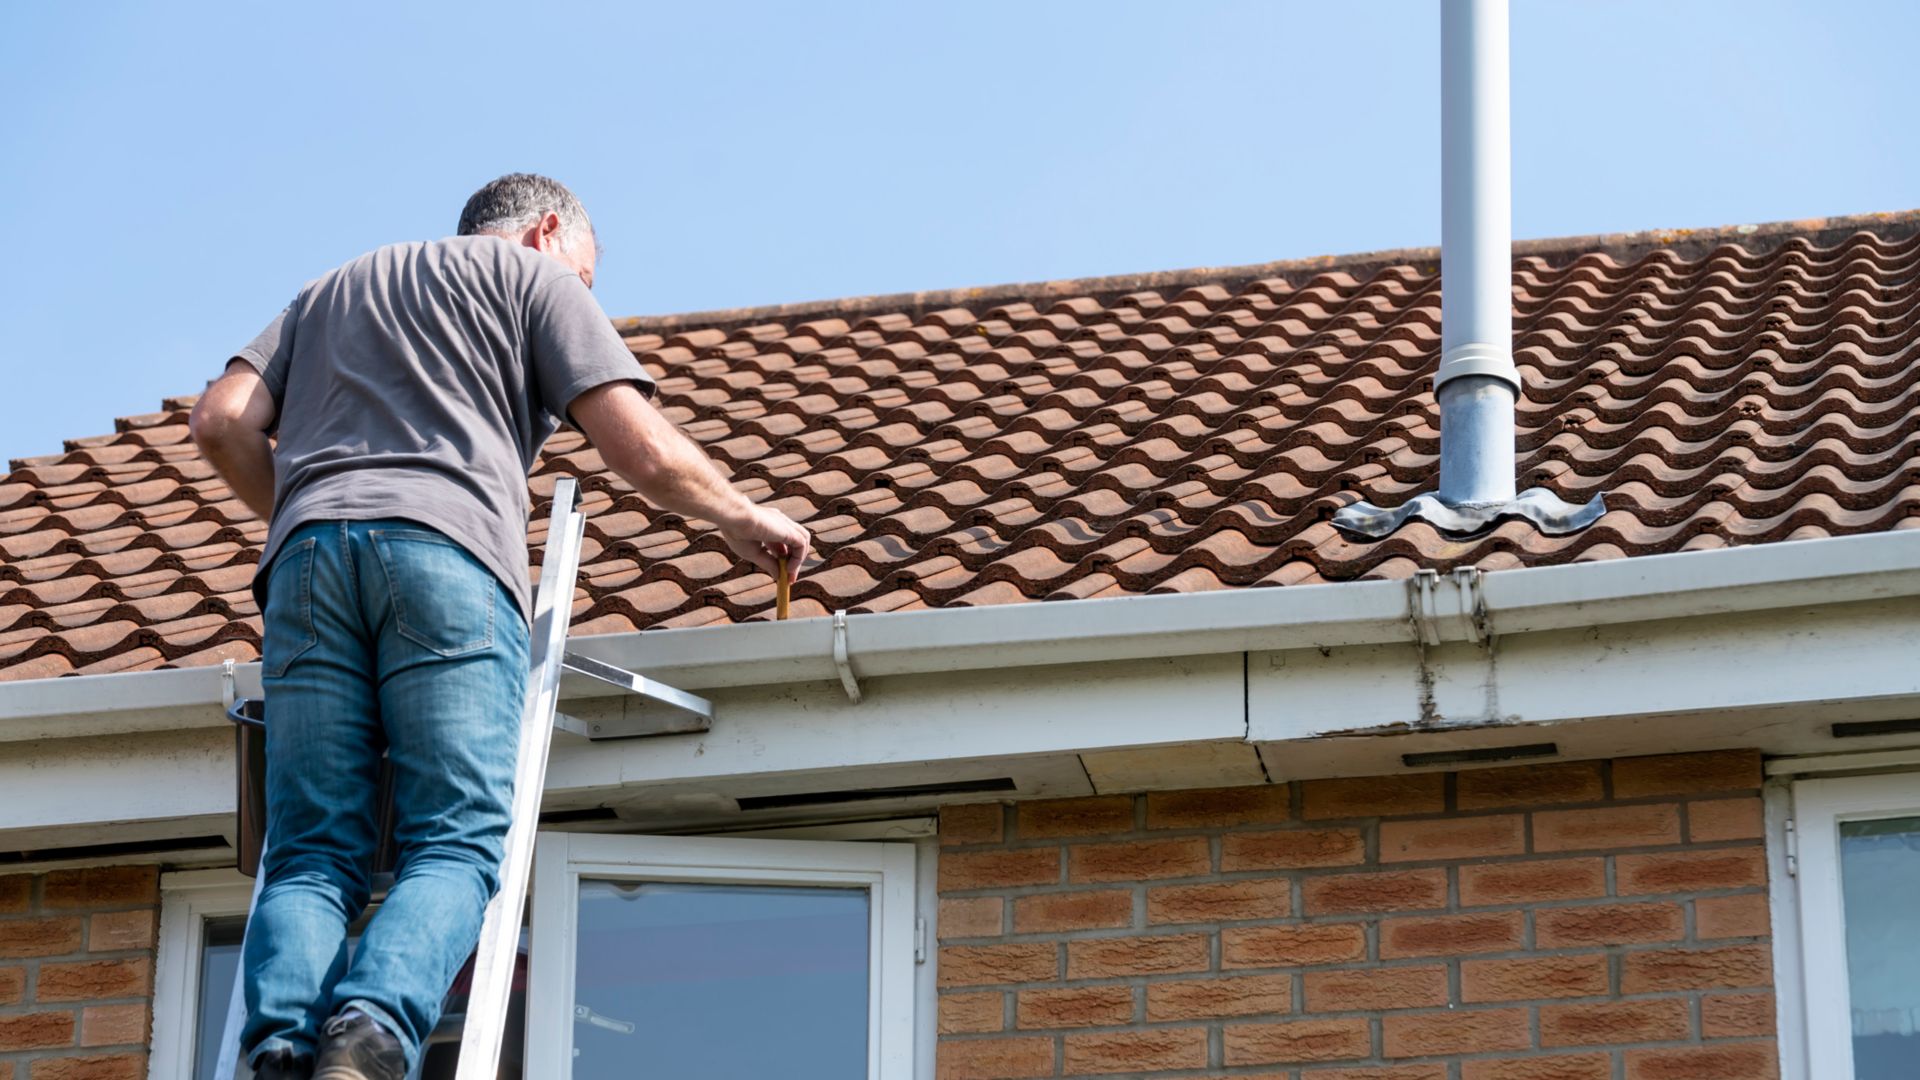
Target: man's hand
[
  {"x": 766, "y": 538},
  {"x": 670, "y": 470},
  {"x": 229, "y": 425}
]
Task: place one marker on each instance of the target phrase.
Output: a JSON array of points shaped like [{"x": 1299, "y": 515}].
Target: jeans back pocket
[
  {"x": 443, "y": 598},
  {"x": 288, "y": 619}
]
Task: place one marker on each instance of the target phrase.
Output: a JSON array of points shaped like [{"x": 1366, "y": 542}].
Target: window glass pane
[
  {"x": 220, "y": 960},
  {"x": 720, "y": 982},
  {"x": 1880, "y": 877}
]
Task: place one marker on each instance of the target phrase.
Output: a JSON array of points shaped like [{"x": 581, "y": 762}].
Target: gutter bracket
[
  {"x": 228, "y": 694},
  {"x": 842, "y": 661}
]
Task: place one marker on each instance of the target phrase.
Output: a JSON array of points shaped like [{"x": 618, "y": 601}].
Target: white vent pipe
[{"x": 1477, "y": 383}]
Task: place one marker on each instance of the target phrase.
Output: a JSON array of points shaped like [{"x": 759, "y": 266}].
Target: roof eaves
[{"x": 1704, "y": 584}]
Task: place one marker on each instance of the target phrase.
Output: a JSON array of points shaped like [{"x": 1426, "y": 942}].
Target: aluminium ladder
[{"x": 498, "y": 947}]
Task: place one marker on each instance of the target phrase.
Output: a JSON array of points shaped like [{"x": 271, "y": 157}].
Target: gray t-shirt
[{"x": 420, "y": 380}]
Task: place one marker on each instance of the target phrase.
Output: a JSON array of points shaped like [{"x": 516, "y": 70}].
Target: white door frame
[
  {"x": 562, "y": 858},
  {"x": 1819, "y": 808}
]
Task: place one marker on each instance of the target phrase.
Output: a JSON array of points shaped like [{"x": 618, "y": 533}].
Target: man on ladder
[{"x": 411, "y": 390}]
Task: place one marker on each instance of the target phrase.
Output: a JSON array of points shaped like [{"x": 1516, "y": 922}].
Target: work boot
[
  {"x": 355, "y": 1047},
  {"x": 282, "y": 1065}
]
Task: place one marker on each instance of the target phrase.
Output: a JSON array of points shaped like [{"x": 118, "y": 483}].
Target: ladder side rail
[
  {"x": 498, "y": 947},
  {"x": 227, "y": 1060}
]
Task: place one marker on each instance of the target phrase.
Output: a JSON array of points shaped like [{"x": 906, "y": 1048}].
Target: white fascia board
[{"x": 1651, "y": 587}]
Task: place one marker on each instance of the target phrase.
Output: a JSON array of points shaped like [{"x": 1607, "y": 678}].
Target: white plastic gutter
[{"x": 1691, "y": 585}]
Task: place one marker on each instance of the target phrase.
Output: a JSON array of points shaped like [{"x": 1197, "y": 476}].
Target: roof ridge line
[{"x": 1688, "y": 243}]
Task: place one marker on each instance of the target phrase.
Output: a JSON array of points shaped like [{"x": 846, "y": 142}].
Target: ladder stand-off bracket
[{"x": 660, "y": 710}]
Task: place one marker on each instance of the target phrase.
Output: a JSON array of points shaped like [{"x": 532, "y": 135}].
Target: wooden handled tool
[{"x": 783, "y": 599}]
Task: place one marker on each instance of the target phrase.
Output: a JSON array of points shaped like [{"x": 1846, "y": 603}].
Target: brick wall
[
  {"x": 1582, "y": 921},
  {"x": 76, "y": 973}
]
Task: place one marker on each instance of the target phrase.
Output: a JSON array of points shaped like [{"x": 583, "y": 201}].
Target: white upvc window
[
  {"x": 1852, "y": 899},
  {"x": 794, "y": 942},
  {"x": 722, "y": 957}
]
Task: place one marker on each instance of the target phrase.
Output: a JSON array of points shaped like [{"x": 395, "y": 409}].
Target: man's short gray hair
[{"x": 514, "y": 202}]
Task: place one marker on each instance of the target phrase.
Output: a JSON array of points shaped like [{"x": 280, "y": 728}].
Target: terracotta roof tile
[{"x": 1176, "y": 432}]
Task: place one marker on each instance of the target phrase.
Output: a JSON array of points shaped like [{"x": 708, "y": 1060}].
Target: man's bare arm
[
  {"x": 229, "y": 425},
  {"x": 672, "y": 472}
]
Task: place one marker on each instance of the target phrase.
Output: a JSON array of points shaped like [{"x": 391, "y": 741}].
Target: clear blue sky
[{"x": 170, "y": 173}]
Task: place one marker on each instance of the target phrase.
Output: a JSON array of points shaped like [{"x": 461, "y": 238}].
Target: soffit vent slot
[
  {"x": 1479, "y": 755},
  {"x": 1864, "y": 728},
  {"x": 575, "y": 817},
  {"x": 108, "y": 851},
  {"x": 905, "y": 791}
]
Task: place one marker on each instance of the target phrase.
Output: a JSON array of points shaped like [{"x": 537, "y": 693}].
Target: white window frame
[
  {"x": 188, "y": 899},
  {"x": 1813, "y": 906},
  {"x": 561, "y": 859}
]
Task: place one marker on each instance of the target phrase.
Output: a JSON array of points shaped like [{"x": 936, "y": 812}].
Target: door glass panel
[
  {"x": 723, "y": 982},
  {"x": 1880, "y": 877}
]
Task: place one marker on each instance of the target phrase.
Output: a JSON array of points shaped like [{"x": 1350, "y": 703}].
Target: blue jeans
[{"x": 379, "y": 635}]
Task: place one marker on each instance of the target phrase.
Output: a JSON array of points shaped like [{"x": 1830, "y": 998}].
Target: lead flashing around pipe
[{"x": 1789, "y": 574}]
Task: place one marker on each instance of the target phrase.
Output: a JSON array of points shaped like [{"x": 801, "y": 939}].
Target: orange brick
[
  {"x": 1451, "y": 935},
  {"x": 1744, "y": 915},
  {"x": 1713, "y": 820},
  {"x": 1602, "y": 1022},
  {"x": 1608, "y": 924},
  {"x": 1102, "y": 958},
  {"x": 114, "y": 1025},
  {"x": 13, "y": 985},
  {"x": 1690, "y": 871},
  {"x": 1379, "y": 1072},
  {"x": 1726, "y": 968},
  {"x": 1370, "y": 989},
  {"x": 1722, "y": 1061},
  {"x": 1139, "y": 860},
  {"x": 1298, "y": 1040},
  {"x": 1528, "y": 785},
  {"x": 1291, "y": 849},
  {"x": 1207, "y": 999},
  {"x": 973, "y": 823},
  {"x": 100, "y": 887},
  {"x": 974, "y": 916},
  {"x": 1136, "y": 1051},
  {"x": 999, "y": 869},
  {"x": 1533, "y": 978},
  {"x": 968, "y": 1013},
  {"x": 95, "y": 979},
  {"x": 112, "y": 931},
  {"x": 108, "y": 1067},
  {"x": 36, "y": 1031},
  {"x": 1052, "y": 912},
  {"x": 1404, "y": 890},
  {"x": 1080, "y": 1006},
  {"x": 1225, "y": 901},
  {"x": 1287, "y": 946},
  {"x": 1557, "y": 1067},
  {"x": 1456, "y": 1031},
  {"x": 16, "y": 893},
  {"x": 1532, "y": 882},
  {"x": 1606, "y": 827},
  {"x": 1453, "y": 838},
  {"x": 979, "y": 965},
  {"x": 39, "y": 937},
  {"x": 1686, "y": 774},
  {"x": 994, "y": 1059},
  {"x": 1725, "y": 1016},
  {"x": 1048, "y": 819},
  {"x": 1374, "y": 796},
  {"x": 1219, "y": 808}
]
